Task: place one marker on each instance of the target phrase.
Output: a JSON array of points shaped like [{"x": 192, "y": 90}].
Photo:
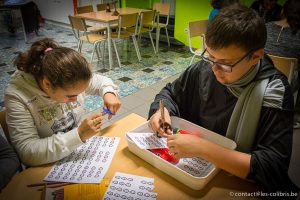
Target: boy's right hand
[
  {"x": 156, "y": 126},
  {"x": 90, "y": 126}
]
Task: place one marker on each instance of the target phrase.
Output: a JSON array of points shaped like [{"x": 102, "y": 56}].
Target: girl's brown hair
[{"x": 63, "y": 66}]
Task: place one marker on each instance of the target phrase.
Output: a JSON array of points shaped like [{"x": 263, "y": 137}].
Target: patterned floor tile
[
  {"x": 130, "y": 77},
  {"x": 125, "y": 79},
  {"x": 11, "y": 72},
  {"x": 146, "y": 56},
  {"x": 167, "y": 62},
  {"x": 148, "y": 70},
  {"x": 126, "y": 63}
]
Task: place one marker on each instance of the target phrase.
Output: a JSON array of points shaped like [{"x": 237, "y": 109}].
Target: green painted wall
[
  {"x": 186, "y": 11},
  {"x": 138, "y": 3},
  {"x": 192, "y": 10},
  {"x": 123, "y": 3}
]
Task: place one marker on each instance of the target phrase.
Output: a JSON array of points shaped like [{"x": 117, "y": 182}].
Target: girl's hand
[
  {"x": 90, "y": 126},
  {"x": 112, "y": 102}
]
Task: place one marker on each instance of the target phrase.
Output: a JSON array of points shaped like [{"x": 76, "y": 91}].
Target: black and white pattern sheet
[
  {"x": 130, "y": 187},
  {"x": 148, "y": 140},
  {"x": 87, "y": 164},
  {"x": 197, "y": 167}
]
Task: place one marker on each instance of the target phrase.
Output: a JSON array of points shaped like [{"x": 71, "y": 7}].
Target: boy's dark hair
[
  {"x": 63, "y": 66},
  {"x": 217, "y": 4},
  {"x": 236, "y": 25},
  {"x": 291, "y": 10}
]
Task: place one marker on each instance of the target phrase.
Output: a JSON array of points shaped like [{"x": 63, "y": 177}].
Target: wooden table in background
[
  {"x": 220, "y": 187},
  {"x": 108, "y": 20}
]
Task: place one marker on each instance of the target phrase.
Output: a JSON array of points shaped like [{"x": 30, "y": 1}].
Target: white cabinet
[{"x": 56, "y": 10}]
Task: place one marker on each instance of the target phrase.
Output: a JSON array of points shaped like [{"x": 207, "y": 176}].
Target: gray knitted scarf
[{"x": 252, "y": 95}]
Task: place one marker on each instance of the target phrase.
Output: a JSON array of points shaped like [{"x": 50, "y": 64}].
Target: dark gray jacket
[{"x": 198, "y": 97}]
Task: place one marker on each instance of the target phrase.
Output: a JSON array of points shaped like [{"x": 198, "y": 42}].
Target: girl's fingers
[{"x": 98, "y": 126}]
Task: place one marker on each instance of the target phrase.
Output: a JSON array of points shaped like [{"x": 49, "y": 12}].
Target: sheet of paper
[
  {"x": 131, "y": 187},
  {"x": 148, "y": 140},
  {"x": 88, "y": 163},
  {"x": 195, "y": 166}
]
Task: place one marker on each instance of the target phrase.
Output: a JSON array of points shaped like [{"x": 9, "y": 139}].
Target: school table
[{"x": 222, "y": 186}]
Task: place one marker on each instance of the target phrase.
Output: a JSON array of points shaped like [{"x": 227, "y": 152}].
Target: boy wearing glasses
[{"x": 234, "y": 91}]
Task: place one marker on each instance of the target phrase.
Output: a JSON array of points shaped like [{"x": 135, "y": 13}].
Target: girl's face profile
[{"x": 68, "y": 94}]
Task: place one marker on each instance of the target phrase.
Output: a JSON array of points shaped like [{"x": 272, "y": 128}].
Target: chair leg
[
  {"x": 125, "y": 52},
  {"x": 136, "y": 48},
  {"x": 167, "y": 34},
  {"x": 79, "y": 46},
  {"x": 295, "y": 97},
  {"x": 151, "y": 39},
  {"x": 93, "y": 52},
  {"x": 103, "y": 52},
  {"x": 157, "y": 38},
  {"x": 104, "y": 49},
  {"x": 97, "y": 50},
  {"x": 192, "y": 59},
  {"x": 117, "y": 54},
  {"x": 139, "y": 39}
]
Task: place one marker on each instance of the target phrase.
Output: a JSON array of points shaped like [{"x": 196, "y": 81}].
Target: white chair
[
  {"x": 82, "y": 35},
  {"x": 197, "y": 29},
  {"x": 287, "y": 66},
  {"x": 146, "y": 25},
  {"x": 102, "y": 7},
  {"x": 91, "y": 28},
  {"x": 127, "y": 28},
  {"x": 163, "y": 9}
]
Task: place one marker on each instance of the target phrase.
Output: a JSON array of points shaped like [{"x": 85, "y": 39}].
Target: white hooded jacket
[{"x": 43, "y": 130}]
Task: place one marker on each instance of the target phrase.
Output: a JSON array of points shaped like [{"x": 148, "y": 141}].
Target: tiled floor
[
  {"x": 130, "y": 78},
  {"x": 138, "y": 81}
]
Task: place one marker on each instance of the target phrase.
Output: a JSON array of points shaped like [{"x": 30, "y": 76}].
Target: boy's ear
[{"x": 258, "y": 54}]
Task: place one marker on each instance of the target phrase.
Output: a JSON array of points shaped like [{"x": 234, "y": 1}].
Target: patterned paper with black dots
[
  {"x": 87, "y": 164},
  {"x": 130, "y": 187}
]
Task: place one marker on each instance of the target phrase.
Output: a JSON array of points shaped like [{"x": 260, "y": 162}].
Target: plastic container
[{"x": 182, "y": 171}]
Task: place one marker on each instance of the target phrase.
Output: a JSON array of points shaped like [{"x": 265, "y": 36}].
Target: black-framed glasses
[{"x": 223, "y": 67}]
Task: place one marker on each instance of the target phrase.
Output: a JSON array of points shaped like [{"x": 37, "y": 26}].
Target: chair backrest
[
  {"x": 77, "y": 23},
  {"x": 285, "y": 65},
  {"x": 4, "y": 125},
  {"x": 147, "y": 18},
  {"x": 84, "y": 9},
  {"x": 197, "y": 29},
  {"x": 162, "y": 9},
  {"x": 102, "y": 6},
  {"x": 78, "y": 27},
  {"x": 128, "y": 21}
]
